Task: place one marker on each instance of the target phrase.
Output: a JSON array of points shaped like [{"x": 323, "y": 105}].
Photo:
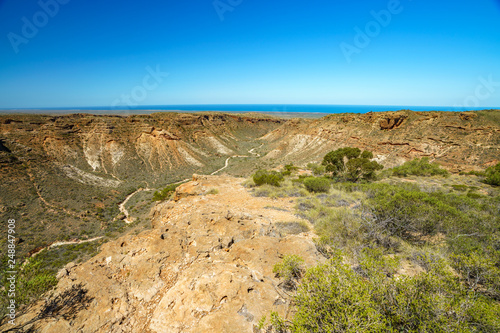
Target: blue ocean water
[{"x": 275, "y": 108}]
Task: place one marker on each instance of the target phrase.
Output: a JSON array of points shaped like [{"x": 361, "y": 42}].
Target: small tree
[
  {"x": 351, "y": 163},
  {"x": 493, "y": 175}
]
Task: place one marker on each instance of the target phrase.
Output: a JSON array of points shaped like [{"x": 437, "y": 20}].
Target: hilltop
[{"x": 205, "y": 266}]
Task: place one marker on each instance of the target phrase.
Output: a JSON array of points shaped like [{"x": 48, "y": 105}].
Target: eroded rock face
[
  {"x": 206, "y": 266},
  {"x": 458, "y": 141},
  {"x": 391, "y": 122}
]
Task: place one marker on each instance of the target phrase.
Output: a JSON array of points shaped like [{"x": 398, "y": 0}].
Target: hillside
[
  {"x": 64, "y": 176},
  {"x": 87, "y": 190},
  {"x": 206, "y": 266},
  {"x": 458, "y": 141}
]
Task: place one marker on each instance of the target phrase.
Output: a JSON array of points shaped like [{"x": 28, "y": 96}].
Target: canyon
[{"x": 202, "y": 261}]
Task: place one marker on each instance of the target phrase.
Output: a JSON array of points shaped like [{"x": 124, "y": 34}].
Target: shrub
[
  {"x": 292, "y": 228},
  {"x": 288, "y": 169},
  {"x": 492, "y": 175},
  {"x": 317, "y": 185},
  {"x": 317, "y": 169},
  {"x": 480, "y": 271},
  {"x": 336, "y": 298},
  {"x": 165, "y": 193},
  {"x": 212, "y": 191},
  {"x": 351, "y": 164},
  {"x": 33, "y": 280},
  {"x": 289, "y": 269},
  {"x": 262, "y": 177},
  {"x": 419, "y": 167}
]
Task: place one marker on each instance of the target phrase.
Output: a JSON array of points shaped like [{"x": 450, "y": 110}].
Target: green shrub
[
  {"x": 351, "y": 164},
  {"x": 33, "y": 280},
  {"x": 333, "y": 297},
  {"x": 262, "y": 177},
  {"x": 212, "y": 191},
  {"x": 317, "y": 185},
  {"x": 419, "y": 167},
  {"x": 289, "y": 269},
  {"x": 492, "y": 175},
  {"x": 165, "y": 193},
  {"x": 288, "y": 169},
  {"x": 317, "y": 169},
  {"x": 480, "y": 271}
]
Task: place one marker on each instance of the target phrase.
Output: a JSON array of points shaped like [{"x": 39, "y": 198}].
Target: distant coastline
[{"x": 286, "y": 110}]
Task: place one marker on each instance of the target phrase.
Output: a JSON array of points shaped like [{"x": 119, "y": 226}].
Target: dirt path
[
  {"x": 57, "y": 244},
  {"x": 124, "y": 210},
  {"x": 234, "y": 156}
]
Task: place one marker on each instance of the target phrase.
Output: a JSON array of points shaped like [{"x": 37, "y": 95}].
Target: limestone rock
[{"x": 206, "y": 266}]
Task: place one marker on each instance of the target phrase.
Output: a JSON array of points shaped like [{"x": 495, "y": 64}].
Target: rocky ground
[
  {"x": 206, "y": 266},
  {"x": 458, "y": 141}
]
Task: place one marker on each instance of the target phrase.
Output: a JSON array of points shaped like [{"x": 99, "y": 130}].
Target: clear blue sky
[{"x": 92, "y": 53}]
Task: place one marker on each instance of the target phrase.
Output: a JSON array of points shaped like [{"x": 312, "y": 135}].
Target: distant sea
[{"x": 240, "y": 108}]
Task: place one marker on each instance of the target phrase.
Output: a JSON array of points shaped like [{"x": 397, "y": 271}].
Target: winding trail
[
  {"x": 230, "y": 157},
  {"x": 124, "y": 210},
  {"x": 57, "y": 244}
]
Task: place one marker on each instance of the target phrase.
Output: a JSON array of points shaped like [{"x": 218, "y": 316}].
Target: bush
[
  {"x": 292, "y": 228},
  {"x": 336, "y": 298},
  {"x": 32, "y": 281},
  {"x": 289, "y": 269},
  {"x": 351, "y": 164},
  {"x": 262, "y": 177},
  {"x": 480, "y": 271},
  {"x": 317, "y": 185},
  {"x": 492, "y": 175},
  {"x": 317, "y": 169},
  {"x": 165, "y": 193},
  {"x": 419, "y": 167},
  {"x": 288, "y": 169}
]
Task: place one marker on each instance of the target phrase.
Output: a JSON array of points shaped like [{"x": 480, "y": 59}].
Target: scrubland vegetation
[
  {"x": 401, "y": 257},
  {"x": 165, "y": 193},
  {"x": 37, "y": 275}
]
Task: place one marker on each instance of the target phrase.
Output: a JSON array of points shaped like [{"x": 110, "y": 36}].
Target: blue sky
[{"x": 102, "y": 53}]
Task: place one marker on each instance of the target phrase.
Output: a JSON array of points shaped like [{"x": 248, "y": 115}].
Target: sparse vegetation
[
  {"x": 288, "y": 169},
  {"x": 165, "y": 193},
  {"x": 370, "y": 231},
  {"x": 419, "y": 167},
  {"x": 212, "y": 191},
  {"x": 292, "y": 228},
  {"x": 317, "y": 169}
]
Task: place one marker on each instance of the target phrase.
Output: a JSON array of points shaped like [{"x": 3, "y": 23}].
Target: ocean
[{"x": 240, "y": 108}]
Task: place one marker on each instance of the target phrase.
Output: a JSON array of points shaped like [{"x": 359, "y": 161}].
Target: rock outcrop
[
  {"x": 458, "y": 141},
  {"x": 206, "y": 266},
  {"x": 60, "y": 166},
  {"x": 392, "y": 121}
]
